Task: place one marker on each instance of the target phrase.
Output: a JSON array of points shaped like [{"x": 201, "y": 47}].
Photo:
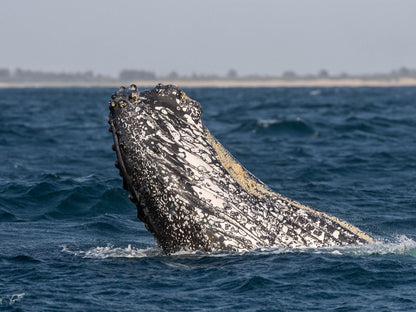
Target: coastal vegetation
[{"x": 35, "y": 76}]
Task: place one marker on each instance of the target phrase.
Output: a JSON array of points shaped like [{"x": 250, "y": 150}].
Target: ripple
[{"x": 255, "y": 283}]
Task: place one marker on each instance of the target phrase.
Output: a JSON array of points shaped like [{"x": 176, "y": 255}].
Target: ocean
[{"x": 70, "y": 239}]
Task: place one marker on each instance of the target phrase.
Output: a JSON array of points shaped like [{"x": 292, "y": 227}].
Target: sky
[{"x": 265, "y": 37}]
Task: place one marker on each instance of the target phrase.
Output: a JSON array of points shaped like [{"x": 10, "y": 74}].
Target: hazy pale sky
[{"x": 211, "y": 36}]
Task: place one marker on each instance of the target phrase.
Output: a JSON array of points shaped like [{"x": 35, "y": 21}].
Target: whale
[{"x": 193, "y": 195}]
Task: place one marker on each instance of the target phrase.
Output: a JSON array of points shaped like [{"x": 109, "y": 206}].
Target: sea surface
[{"x": 70, "y": 239}]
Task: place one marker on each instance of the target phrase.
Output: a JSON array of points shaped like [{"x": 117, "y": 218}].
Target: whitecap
[
  {"x": 8, "y": 300},
  {"x": 315, "y": 92},
  {"x": 399, "y": 245},
  {"x": 111, "y": 251},
  {"x": 265, "y": 123},
  {"x": 83, "y": 179}
]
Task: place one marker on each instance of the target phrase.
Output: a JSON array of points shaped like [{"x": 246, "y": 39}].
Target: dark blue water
[{"x": 70, "y": 240}]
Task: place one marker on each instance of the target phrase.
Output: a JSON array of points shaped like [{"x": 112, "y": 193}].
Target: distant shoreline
[{"x": 225, "y": 83}]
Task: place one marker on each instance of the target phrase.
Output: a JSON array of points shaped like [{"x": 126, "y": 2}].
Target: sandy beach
[{"x": 272, "y": 83}]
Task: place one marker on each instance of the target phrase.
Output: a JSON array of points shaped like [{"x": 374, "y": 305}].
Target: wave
[
  {"x": 110, "y": 251},
  {"x": 55, "y": 197},
  {"x": 6, "y": 216},
  {"x": 401, "y": 245},
  {"x": 8, "y": 300},
  {"x": 297, "y": 127}
]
